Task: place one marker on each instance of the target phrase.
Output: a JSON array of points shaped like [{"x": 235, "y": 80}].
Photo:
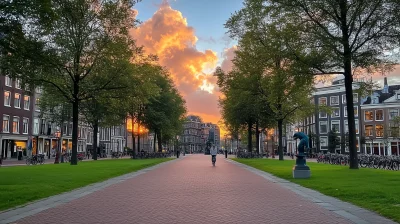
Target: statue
[
  {"x": 303, "y": 144},
  {"x": 301, "y": 170}
]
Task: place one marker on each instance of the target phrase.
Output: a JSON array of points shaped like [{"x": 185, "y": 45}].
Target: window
[
  {"x": 344, "y": 98},
  {"x": 323, "y": 127},
  {"x": 398, "y": 96},
  {"x": 375, "y": 100},
  {"x": 17, "y": 100},
  {"x": 356, "y": 126},
  {"x": 25, "y": 123},
  {"x": 355, "y": 97},
  {"x": 7, "y": 98},
  {"x": 379, "y": 130},
  {"x": 335, "y": 126},
  {"x": 43, "y": 127},
  {"x": 16, "y": 125},
  {"x": 336, "y": 112},
  {"x": 393, "y": 113},
  {"x": 368, "y": 115},
  {"x": 8, "y": 81},
  {"x": 379, "y": 115},
  {"x": 355, "y": 111},
  {"x": 322, "y": 101},
  {"x": 18, "y": 83},
  {"x": 27, "y": 101},
  {"x": 368, "y": 130},
  {"x": 346, "y": 126},
  {"x": 6, "y": 123},
  {"x": 37, "y": 104},
  {"x": 36, "y": 126},
  {"x": 334, "y": 100},
  {"x": 323, "y": 141},
  {"x": 38, "y": 89}
]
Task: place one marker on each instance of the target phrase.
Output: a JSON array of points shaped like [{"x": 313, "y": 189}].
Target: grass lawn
[
  {"x": 377, "y": 190},
  {"x": 22, "y": 184}
]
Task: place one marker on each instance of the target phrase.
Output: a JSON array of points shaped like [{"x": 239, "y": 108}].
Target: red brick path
[{"x": 190, "y": 191}]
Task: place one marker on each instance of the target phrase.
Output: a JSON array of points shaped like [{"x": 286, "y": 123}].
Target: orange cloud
[{"x": 168, "y": 35}]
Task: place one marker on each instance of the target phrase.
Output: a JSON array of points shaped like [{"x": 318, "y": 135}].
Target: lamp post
[{"x": 57, "y": 135}]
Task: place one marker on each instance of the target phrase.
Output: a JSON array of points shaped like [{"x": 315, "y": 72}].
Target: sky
[{"x": 190, "y": 40}]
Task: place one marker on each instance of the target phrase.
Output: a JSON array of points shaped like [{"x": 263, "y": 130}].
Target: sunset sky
[{"x": 190, "y": 39}]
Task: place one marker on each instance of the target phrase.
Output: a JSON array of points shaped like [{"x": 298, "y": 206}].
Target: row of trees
[
  {"x": 81, "y": 53},
  {"x": 284, "y": 44}
]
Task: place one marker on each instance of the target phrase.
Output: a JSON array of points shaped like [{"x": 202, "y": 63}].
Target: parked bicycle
[{"x": 364, "y": 160}]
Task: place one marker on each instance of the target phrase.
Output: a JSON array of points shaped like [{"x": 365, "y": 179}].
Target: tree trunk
[
  {"x": 155, "y": 141},
  {"x": 249, "y": 137},
  {"x": 280, "y": 140},
  {"x": 75, "y": 120},
  {"x": 159, "y": 141},
  {"x": 257, "y": 138},
  {"x": 348, "y": 83},
  {"x": 95, "y": 131},
  {"x": 133, "y": 144}
]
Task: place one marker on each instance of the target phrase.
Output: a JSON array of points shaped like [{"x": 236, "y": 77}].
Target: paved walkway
[{"x": 188, "y": 190}]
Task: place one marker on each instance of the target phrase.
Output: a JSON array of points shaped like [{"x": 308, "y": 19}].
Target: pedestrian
[
  {"x": 226, "y": 153},
  {"x": 177, "y": 153}
]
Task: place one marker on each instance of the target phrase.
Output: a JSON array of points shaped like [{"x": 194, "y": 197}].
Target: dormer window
[
  {"x": 398, "y": 96},
  {"x": 375, "y": 100}
]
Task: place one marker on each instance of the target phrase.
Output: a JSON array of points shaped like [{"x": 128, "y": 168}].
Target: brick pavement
[{"x": 190, "y": 190}]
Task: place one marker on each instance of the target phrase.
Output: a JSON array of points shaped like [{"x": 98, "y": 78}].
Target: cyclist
[{"x": 213, "y": 153}]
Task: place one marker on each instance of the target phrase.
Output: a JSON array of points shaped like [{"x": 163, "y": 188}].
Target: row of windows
[
  {"x": 335, "y": 126},
  {"x": 15, "y": 124},
  {"x": 378, "y": 115},
  {"x": 336, "y": 112},
  {"x": 8, "y": 82},
  {"x": 17, "y": 100},
  {"x": 323, "y": 140},
  {"x": 334, "y": 100}
]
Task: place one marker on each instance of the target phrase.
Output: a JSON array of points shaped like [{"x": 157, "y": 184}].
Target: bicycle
[
  {"x": 31, "y": 160},
  {"x": 40, "y": 159},
  {"x": 214, "y": 159}
]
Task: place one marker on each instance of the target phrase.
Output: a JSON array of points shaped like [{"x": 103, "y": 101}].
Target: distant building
[{"x": 377, "y": 113}]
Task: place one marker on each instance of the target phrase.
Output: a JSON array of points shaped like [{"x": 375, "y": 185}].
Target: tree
[
  {"x": 333, "y": 141},
  {"x": 284, "y": 83},
  {"x": 345, "y": 36},
  {"x": 164, "y": 113},
  {"x": 102, "y": 111},
  {"x": 80, "y": 54}
]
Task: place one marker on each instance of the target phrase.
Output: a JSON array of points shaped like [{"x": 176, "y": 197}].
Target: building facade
[
  {"x": 16, "y": 111},
  {"x": 379, "y": 111}
]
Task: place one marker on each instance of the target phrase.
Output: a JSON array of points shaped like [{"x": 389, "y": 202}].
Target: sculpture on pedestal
[{"x": 301, "y": 170}]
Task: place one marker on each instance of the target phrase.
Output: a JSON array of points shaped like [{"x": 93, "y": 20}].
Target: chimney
[{"x": 385, "y": 86}]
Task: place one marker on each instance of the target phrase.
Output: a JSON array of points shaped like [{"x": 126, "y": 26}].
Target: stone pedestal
[{"x": 301, "y": 170}]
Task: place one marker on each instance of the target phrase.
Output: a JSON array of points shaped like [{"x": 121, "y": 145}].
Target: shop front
[{"x": 11, "y": 146}]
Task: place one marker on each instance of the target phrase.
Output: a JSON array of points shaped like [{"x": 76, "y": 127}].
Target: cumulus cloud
[
  {"x": 168, "y": 35},
  {"x": 228, "y": 55}
]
